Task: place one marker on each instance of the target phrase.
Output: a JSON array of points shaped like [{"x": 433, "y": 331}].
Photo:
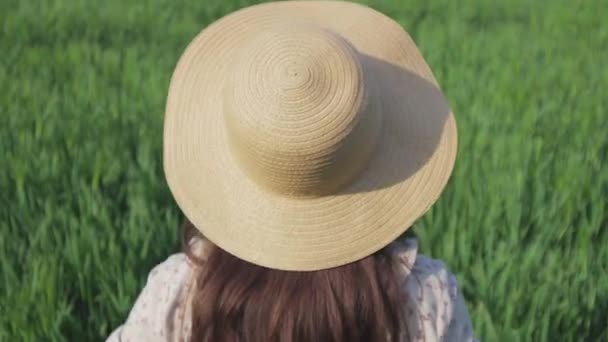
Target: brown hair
[{"x": 236, "y": 301}]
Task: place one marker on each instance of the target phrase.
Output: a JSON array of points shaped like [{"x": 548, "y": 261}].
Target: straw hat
[{"x": 303, "y": 135}]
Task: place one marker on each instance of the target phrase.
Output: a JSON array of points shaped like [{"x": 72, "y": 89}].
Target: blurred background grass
[{"x": 85, "y": 212}]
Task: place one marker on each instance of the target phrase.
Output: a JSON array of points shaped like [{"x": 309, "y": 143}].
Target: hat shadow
[{"x": 407, "y": 92}]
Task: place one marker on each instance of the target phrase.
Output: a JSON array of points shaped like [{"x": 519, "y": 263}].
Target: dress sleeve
[
  {"x": 435, "y": 308},
  {"x": 460, "y": 327},
  {"x": 158, "y": 312}
]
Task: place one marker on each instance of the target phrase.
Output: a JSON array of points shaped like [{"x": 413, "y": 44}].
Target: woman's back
[{"x": 431, "y": 307}]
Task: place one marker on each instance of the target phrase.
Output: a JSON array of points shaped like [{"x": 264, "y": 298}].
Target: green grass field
[{"x": 85, "y": 212}]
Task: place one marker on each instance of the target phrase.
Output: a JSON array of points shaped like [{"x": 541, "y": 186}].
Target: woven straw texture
[{"x": 304, "y": 135}]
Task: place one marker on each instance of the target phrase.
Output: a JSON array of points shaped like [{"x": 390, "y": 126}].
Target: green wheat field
[{"x": 85, "y": 212}]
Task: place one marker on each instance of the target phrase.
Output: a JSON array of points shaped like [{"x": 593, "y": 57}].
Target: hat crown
[{"x": 299, "y": 112}]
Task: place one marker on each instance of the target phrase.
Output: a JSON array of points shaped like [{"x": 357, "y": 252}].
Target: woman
[{"x": 302, "y": 139}]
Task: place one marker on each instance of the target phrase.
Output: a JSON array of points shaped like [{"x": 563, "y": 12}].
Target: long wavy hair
[{"x": 236, "y": 301}]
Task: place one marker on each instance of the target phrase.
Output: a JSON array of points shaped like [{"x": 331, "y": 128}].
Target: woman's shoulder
[
  {"x": 159, "y": 311},
  {"x": 176, "y": 266},
  {"x": 421, "y": 266},
  {"x": 434, "y": 306}
]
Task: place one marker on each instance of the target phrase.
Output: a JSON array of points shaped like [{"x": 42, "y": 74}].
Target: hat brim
[{"x": 409, "y": 169}]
